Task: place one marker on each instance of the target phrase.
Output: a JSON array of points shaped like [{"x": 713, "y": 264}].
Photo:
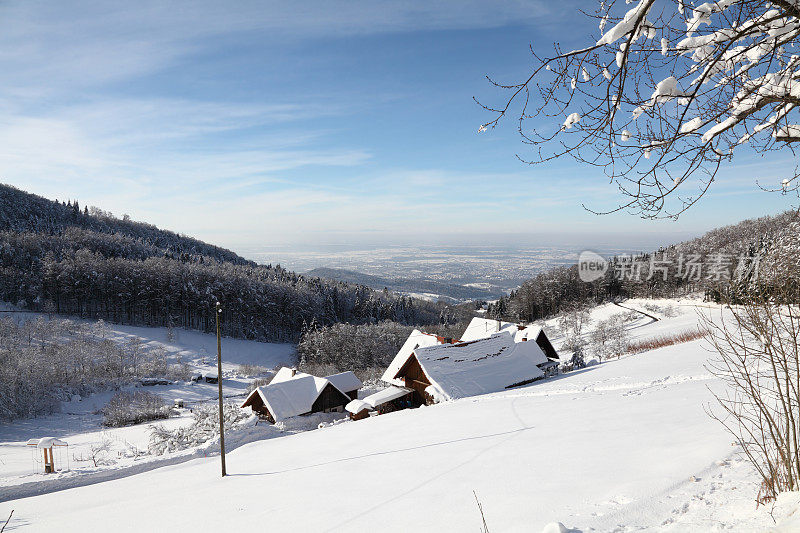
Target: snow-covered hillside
[
  {"x": 620, "y": 446},
  {"x": 125, "y": 449},
  {"x": 191, "y": 346}
]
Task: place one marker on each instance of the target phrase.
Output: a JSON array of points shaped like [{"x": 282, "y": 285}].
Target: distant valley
[{"x": 420, "y": 288}]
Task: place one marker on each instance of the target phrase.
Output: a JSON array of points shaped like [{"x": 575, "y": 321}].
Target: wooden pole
[{"x": 219, "y": 383}]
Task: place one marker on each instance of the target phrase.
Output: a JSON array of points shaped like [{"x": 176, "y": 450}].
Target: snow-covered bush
[
  {"x": 576, "y": 362},
  {"x": 572, "y": 343},
  {"x": 572, "y": 325},
  {"x": 204, "y": 427},
  {"x": 574, "y": 322},
  {"x": 99, "y": 451},
  {"x": 179, "y": 372},
  {"x": 653, "y": 308},
  {"x": 666, "y": 311},
  {"x": 644, "y": 345},
  {"x": 610, "y": 338},
  {"x": 134, "y": 407}
]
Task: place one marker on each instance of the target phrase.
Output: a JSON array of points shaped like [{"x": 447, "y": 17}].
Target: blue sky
[{"x": 253, "y": 124}]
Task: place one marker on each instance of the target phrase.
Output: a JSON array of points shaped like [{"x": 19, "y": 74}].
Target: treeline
[
  {"x": 724, "y": 263},
  {"x": 43, "y": 362},
  {"x": 58, "y": 258}
]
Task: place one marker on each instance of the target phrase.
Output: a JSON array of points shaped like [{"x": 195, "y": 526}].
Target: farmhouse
[
  {"x": 442, "y": 372},
  {"x": 292, "y": 393},
  {"x": 416, "y": 340},
  {"x": 480, "y": 328}
]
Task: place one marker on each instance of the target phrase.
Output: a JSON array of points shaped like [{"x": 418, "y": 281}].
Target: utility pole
[{"x": 219, "y": 382}]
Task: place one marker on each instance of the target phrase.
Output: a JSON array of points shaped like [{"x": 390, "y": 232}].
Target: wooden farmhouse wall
[
  {"x": 546, "y": 346},
  {"x": 329, "y": 398},
  {"x": 415, "y": 379},
  {"x": 259, "y": 407}
]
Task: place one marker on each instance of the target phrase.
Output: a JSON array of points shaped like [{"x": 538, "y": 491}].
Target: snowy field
[{"x": 620, "y": 446}]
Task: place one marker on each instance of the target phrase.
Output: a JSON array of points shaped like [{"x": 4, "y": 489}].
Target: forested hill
[
  {"x": 62, "y": 258},
  {"x": 754, "y": 244},
  {"x": 24, "y": 212}
]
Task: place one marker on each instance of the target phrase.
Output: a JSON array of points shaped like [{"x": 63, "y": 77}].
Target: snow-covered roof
[
  {"x": 291, "y": 393},
  {"x": 345, "y": 381},
  {"x": 356, "y": 406},
  {"x": 417, "y": 339},
  {"x": 481, "y": 366},
  {"x": 529, "y": 332},
  {"x": 532, "y": 351},
  {"x": 379, "y": 398},
  {"x": 46, "y": 442},
  {"x": 386, "y": 395},
  {"x": 292, "y": 397},
  {"x": 285, "y": 373},
  {"x": 481, "y": 328}
]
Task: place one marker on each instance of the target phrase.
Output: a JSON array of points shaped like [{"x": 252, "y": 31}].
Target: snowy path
[{"x": 654, "y": 319}]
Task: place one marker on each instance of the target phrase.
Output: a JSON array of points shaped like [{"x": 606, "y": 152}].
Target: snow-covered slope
[
  {"x": 620, "y": 446},
  {"x": 617, "y": 446}
]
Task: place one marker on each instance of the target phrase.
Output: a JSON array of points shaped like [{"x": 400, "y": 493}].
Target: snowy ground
[{"x": 620, "y": 446}]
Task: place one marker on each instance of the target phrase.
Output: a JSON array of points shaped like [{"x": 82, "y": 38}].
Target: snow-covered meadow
[{"x": 619, "y": 446}]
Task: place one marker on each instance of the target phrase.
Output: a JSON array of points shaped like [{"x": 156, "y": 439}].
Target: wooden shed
[{"x": 384, "y": 401}]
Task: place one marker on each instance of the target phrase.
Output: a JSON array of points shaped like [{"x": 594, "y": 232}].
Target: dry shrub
[
  {"x": 758, "y": 359},
  {"x": 660, "y": 341}
]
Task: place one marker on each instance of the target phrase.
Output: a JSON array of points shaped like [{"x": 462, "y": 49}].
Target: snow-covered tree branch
[{"x": 666, "y": 94}]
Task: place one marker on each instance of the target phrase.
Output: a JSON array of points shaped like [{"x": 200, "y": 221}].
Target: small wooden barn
[
  {"x": 448, "y": 371},
  {"x": 385, "y": 401},
  {"x": 292, "y": 393},
  {"x": 347, "y": 382}
]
